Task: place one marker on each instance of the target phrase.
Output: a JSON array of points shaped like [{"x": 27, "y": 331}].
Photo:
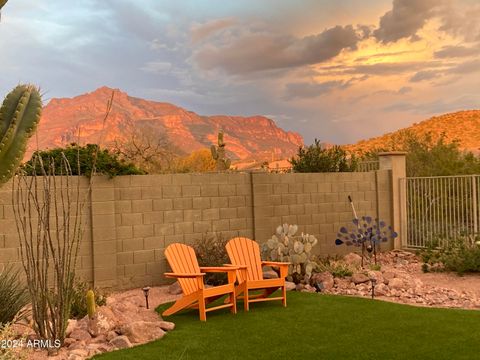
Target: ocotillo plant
[
  {"x": 368, "y": 233},
  {"x": 218, "y": 153},
  {"x": 19, "y": 116}
]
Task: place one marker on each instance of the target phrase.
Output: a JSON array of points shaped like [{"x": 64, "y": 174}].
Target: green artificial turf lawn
[{"x": 315, "y": 326}]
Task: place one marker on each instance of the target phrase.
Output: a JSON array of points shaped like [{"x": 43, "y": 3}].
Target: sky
[{"x": 336, "y": 70}]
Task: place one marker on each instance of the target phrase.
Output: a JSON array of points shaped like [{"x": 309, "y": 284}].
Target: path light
[
  {"x": 146, "y": 289},
  {"x": 373, "y": 281}
]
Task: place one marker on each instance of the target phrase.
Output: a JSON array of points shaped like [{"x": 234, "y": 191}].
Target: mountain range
[
  {"x": 461, "y": 126},
  {"x": 81, "y": 119}
]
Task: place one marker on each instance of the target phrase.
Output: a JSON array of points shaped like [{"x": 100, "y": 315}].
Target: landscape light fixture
[
  {"x": 373, "y": 281},
  {"x": 146, "y": 289}
]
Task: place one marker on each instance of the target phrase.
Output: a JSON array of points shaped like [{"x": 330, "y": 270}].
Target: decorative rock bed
[
  {"x": 402, "y": 280},
  {"x": 122, "y": 323}
]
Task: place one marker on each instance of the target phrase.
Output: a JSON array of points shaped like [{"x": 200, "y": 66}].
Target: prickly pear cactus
[
  {"x": 19, "y": 116},
  {"x": 91, "y": 304},
  {"x": 296, "y": 249},
  {"x": 218, "y": 154}
]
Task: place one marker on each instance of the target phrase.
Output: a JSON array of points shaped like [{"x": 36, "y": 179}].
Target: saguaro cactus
[
  {"x": 19, "y": 116},
  {"x": 218, "y": 154}
]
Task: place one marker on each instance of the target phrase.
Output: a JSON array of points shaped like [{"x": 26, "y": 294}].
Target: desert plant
[
  {"x": 49, "y": 215},
  {"x": 90, "y": 157},
  {"x": 198, "y": 161},
  {"x": 315, "y": 158},
  {"x": 90, "y": 298},
  {"x": 218, "y": 153},
  {"x": 11, "y": 342},
  {"x": 79, "y": 301},
  {"x": 19, "y": 116},
  {"x": 335, "y": 267},
  {"x": 288, "y": 247},
  {"x": 460, "y": 254},
  {"x": 367, "y": 233},
  {"x": 13, "y": 294},
  {"x": 210, "y": 251}
]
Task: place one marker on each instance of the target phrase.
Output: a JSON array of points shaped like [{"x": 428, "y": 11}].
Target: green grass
[{"x": 317, "y": 326}]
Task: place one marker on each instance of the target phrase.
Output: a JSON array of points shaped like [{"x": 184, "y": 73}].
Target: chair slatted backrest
[
  {"x": 182, "y": 260},
  {"x": 243, "y": 251}
]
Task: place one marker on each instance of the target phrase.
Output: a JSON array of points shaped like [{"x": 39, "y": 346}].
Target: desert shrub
[
  {"x": 336, "y": 268},
  {"x": 13, "y": 294},
  {"x": 210, "y": 250},
  {"x": 87, "y": 157},
  {"x": 8, "y": 336},
  {"x": 79, "y": 301},
  {"x": 315, "y": 158},
  {"x": 461, "y": 254},
  {"x": 375, "y": 267}
]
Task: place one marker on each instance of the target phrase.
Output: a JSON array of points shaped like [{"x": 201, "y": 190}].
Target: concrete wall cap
[{"x": 394, "y": 153}]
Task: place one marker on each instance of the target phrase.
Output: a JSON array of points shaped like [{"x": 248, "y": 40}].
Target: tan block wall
[
  {"x": 154, "y": 211},
  {"x": 129, "y": 220},
  {"x": 318, "y": 203}
]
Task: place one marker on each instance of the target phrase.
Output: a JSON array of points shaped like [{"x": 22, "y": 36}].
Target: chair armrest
[
  {"x": 174, "y": 275},
  {"x": 237, "y": 266},
  {"x": 274, "y": 263},
  {"x": 283, "y": 266},
  {"x": 216, "y": 269}
]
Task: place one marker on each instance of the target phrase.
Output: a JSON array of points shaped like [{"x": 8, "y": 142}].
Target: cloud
[
  {"x": 405, "y": 19},
  {"x": 462, "y": 21},
  {"x": 202, "y": 31},
  {"x": 454, "y": 51},
  {"x": 425, "y": 75},
  {"x": 256, "y": 51},
  {"x": 467, "y": 67},
  {"x": 314, "y": 89},
  {"x": 157, "y": 67},
  {"x": 392, "y": 68}
]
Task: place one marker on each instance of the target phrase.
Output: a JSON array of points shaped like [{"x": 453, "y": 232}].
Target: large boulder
[
  {"x": 353, "y": 259},
  {"x": 290, "y": 285},
  {"x": 396, "y": 283},
  {"x": 325, "y": 279},
  {"x": 80, "y": 334},
  {"x": 377, "y": 275},
  {"x": 270, "y": 274},
  {"x": 142, "y": 331},
  {"x": 121, "y": 342},
  {"x": 359, "y": 278},
  {"x": 104, "y": 321},
  {"x": 175, "y": 288}
]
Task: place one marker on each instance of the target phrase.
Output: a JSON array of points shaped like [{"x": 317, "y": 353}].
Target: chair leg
[
  {"x": 284, "y": 293},
  {"x": 246, "y": 306},
  {"x": 233, "y": 300},
  {"x": 201, "y": 309}
]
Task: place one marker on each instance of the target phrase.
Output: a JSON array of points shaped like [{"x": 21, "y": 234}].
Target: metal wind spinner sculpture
[{"x": 368, "y": 234}]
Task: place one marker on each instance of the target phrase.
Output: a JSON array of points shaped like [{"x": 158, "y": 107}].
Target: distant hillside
[
  {"x": 463, "y": 126},
  {"x": 80, "y": 119}
]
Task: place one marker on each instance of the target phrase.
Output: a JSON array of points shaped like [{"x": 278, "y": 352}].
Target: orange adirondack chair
[
  {"x": 245, "y": 255},
  {"x": 185, "y": 269}
]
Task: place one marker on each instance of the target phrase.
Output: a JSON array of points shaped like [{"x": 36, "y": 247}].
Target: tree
[
  {"x": 90, "y": 158},
  {"x": 315, "y": 158},
  {"x": 198, "y": 161},
  {"x": 146, "y": 148}
]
